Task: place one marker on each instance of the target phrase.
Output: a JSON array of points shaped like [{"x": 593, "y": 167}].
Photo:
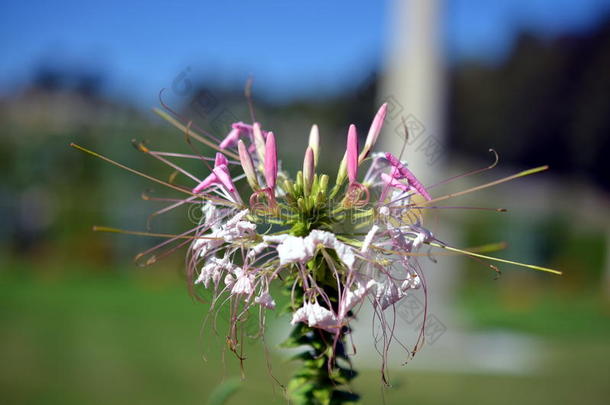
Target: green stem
[{"x": 325, "y": 372}]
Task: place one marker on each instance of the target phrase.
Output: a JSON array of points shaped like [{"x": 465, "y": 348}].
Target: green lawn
[{"x": 137, "y": 340}]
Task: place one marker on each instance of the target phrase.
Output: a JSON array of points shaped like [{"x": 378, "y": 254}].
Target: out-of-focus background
[{"x": 80, "y": 323}]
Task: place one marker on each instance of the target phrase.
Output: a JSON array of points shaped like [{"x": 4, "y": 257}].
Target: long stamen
[
  {"x": 192, "y": 134},
  {"x": 97, "y": 228},
  {"x": 484, "y": 186},
  {"x": 142, "y": 148},
  {"x": 480, "y": 256},
  {"x": 176, "y": 114},
  {"x": 445, "y": 207},
  {"x": 146, "y": 176},
  {"x": 471, "y": 173},
  {"x": 497, "y": 259}
]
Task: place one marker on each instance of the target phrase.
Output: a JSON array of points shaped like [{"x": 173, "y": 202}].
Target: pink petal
[
  {"x": 231, "y": 138},
  {"x": 220, "y": 160},
  {"x": 207, "y": 182},
  {"x": 404, "y": 173},
  {"x": 222, "y": 172},
  {"x": 392, "y": 182}
]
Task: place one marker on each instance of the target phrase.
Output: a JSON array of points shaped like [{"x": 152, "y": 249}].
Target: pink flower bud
[
  {"x": 247, "y": 165},
  {"x": 314, "y": 142},
  {"x": 374, "y": 131},
  {"x": 352, "y": 154},
  {"x": 259, "y": 141},
  {"x": 270, "y": 161},
  {"x": 308, "y": 169}
]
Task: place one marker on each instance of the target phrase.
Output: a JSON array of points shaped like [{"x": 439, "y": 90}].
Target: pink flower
[
  {"x": 220, "y": 176},
  {"x": 401, "y": 172},
  {"x": 238, "y": 129}
]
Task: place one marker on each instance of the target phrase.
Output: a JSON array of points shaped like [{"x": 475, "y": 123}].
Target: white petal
[
  {"x": 388, "y": 294},
  {"x": 229, "y": 280},
  {"x": 411, "y": 282},
  {"x": 316, "y": 316},
  {"x": 257, "y": 250},
  {"x": 384, "y": 211},
  {"x": 329, "y": 240},
  {"x": 300, "y": 315},
  {"x": 354, "y": 297},
  {"x": 243, "y": 285},
  {"x": 265, "y": 300},
  {"x": 295, "y": 249}
]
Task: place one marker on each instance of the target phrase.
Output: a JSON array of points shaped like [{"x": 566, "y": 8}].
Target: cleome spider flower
[{"x": 332, "y": 248}]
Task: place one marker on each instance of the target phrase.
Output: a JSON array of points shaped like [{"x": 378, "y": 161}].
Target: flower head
[{"x": 334, "y": 248}]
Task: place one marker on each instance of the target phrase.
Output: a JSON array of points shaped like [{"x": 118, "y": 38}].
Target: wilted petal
[
  {"x": 387, "y": 294},
  {"x": 265, "y": 300},
  {"x": 316, "y": 316},
  {"x": 352, "y": 298},
  {"x": 257, "y": 250},
  {"x": 229, "y": 280},
  {"x": 411, "y": 282},
  {"x": 243, "y": 283}
]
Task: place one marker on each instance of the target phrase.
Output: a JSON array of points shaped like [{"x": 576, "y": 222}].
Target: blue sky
[{"x": 291, "y": 47}]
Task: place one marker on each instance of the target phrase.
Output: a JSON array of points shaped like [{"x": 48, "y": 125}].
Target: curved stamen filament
[
  {"x": 357, "y": 195},
  {"x": 262, "y": 202}
]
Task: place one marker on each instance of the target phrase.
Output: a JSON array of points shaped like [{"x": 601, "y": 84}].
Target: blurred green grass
[{"x": 134, "y": 337}]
